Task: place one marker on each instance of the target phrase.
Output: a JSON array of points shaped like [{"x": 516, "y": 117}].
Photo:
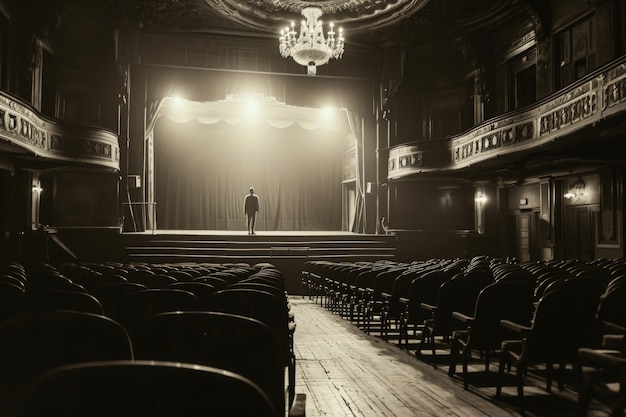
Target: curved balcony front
[
  {"x": 595, "y": 98},
  {"x": 26, "y": 129}
]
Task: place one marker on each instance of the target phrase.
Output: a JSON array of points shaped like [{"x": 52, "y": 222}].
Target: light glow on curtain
[{"x": 207, "y": 155}]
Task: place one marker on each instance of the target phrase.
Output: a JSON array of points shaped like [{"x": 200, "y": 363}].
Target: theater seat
[
  {"x": 233, "y": 342},
  {"x": 143, "y": 389},
  {"x": 31, "y": 344},
  {"x": 604, "y": 375}
]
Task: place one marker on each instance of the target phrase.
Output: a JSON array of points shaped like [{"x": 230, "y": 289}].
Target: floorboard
[{"x": 345, "y": 372}]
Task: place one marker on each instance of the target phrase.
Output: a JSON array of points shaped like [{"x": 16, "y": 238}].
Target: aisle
[{"x": 346, "y": 373}]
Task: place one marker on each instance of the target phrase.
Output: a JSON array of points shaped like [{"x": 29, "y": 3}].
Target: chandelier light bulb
[{"x": 311, "y": 48}]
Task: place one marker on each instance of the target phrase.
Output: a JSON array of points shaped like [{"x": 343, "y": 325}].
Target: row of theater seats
[
  {"x": 146, "y": 339},
  {"x": 529, "y": 315}
]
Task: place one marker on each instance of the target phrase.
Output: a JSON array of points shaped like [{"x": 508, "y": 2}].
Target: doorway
[{"x": 578, "y": 233}]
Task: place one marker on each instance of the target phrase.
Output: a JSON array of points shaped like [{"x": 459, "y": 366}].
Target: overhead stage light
[{"x": 311, "y": 48}]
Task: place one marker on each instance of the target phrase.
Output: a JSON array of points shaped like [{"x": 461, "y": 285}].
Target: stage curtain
[{"x": 203, "y": 172}]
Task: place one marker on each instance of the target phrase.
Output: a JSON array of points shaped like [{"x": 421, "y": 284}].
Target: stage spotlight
[
  {"x": 252, "y": 106},
  {"x": 178, "y": 101},
  {"x": 328, "y": 112}
]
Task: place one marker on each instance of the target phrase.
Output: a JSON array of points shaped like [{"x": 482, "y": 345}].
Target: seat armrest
[
  {"x": 428, "y": 307},
  {"x": 614, "y": 341},
  {"x": 404, "y": 300},
  {"x": 516, "y": 327},
  {"x": 462, "y": 317},
  {"x": 602, "y": 358}
]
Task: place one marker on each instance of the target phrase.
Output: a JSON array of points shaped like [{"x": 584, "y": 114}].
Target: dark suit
[{"x": 251, "y": 208}]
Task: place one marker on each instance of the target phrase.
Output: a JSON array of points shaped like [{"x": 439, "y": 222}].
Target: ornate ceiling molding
[{"x": 354, "y": 16}]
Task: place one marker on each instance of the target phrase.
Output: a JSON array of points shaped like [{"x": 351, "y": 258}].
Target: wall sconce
[
  {"x": 577, "y": 189},
  {"x": 481, "y": 199},
  {"x": 37, "y": 189}
]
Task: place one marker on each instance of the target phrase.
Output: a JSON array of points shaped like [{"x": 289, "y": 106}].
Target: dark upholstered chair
[
  {"x": 458, "y": 294},
  {"x": 424, "y": 289},
  {"x": 239, "y": 344},
  {"x": 604, "y": 375},
  {"x": 109, "y": 294},
  {"x": 39, "y": 300},
  {"x": 34, "y": 343},
  {"x": 11, "y": 298},
  {"x": 134, "y": 307},
  {"x": 503, "y": 300},
  {"x": 143, "y": 389},
  {"x": 563, "y": 322},
  {"x": 269, "y": 309}
]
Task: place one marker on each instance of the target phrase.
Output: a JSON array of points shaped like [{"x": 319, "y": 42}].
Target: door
[
  {"x": 578, "y": 234},
  {"x": 526, "y": 236}
]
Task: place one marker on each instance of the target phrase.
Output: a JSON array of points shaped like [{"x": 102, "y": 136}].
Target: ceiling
[
  {"x": 364, "y": 21},
  {"x": 269, "y": 16}
]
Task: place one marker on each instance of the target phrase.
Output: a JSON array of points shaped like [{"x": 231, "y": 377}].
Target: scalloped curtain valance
[{"x": 272, "y": 113}]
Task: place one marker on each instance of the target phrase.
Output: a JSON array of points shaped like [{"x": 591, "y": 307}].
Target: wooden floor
[{"x": 345, "y": 372}]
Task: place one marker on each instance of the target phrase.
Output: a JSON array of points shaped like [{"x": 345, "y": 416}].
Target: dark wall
[
  {"x": 427, "y": 206},
  {"x": 80, "y": 199}
]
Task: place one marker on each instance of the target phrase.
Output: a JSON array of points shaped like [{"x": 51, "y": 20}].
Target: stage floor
[{"x": 244, "y": 233}]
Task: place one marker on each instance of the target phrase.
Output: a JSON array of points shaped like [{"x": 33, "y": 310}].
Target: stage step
[
  {"x": 287, "y": 252},
  {"x": 163, "y": 247}
]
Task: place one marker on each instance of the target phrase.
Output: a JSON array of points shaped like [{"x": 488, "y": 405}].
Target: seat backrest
[
  {"x": 31, "y": 344},
  {"x": 564, "y": 320},
  {"x": 133, "y": 307},
  {"x": 182, "y": 276},
  {"x": 109, "y": 294},
  {"x": 425, "y": 289},
  {"x": 218, "y": 283},
  {"x": 259, "y": 305},
  {"x": 157, "y": 280},
  {"x": 46, "y": 300},
  {"x": 459, "y": 294},
  {"x": 612, "y": 306},
  {"x": 142, "y": 389},
  {"x": 401, "y": 289},
  {"x": 239, "y": 344},
  {"x": 385, "y": 280},
  {"x": 91, "y": 282},
  {"x": 261, "y": 286},
  {"x": 501, "y": 300},
  {"x": 201, "y": 290},
  {"x": 11, "y": 298}
]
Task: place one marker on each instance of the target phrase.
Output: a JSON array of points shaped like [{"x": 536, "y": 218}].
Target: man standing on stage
[{"x": 251, "y": 209}]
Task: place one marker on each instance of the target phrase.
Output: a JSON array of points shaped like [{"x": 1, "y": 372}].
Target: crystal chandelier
[{"x": 311, "y": 48}]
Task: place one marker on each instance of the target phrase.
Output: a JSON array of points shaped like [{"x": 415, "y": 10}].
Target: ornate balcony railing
[
  {"x": 595, "y": 97},
  {"x": 56, "y": 140}
]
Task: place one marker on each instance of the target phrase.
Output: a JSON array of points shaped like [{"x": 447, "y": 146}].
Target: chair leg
[
  {"x": 433, "y": 347},
  {"x": 425, "y": 336},
  {"x": 466, "y": 355},
  {"x": 520, "y": 387},
  {"x": 454, "y": 351},
  {"x": 487, "y": 359},
  {"x": 561, "y": 378},
  {"x": 503, "y": 364},
  {"x": 583, "y": 397},
  {"x": 549, "y": 377},
  {"x": 404, "y": 333}
]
